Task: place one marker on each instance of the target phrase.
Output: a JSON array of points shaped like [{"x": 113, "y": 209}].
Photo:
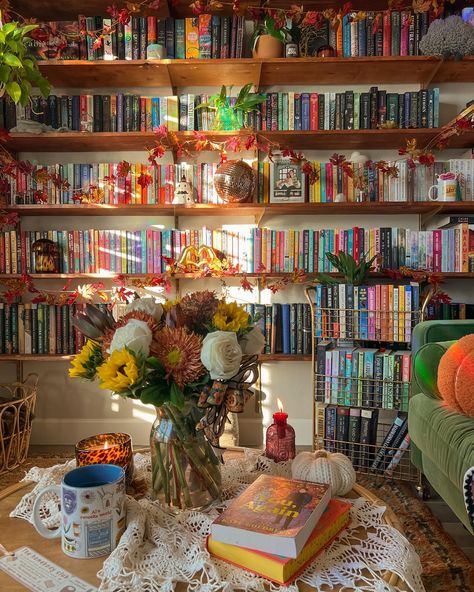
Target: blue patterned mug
[{"x": 92, "y": 510}]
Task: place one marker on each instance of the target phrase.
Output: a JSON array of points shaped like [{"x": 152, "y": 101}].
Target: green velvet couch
[{"x": 442, "y": 441}]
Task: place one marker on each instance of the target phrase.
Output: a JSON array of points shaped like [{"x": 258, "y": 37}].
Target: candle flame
[
  {"x": 280, "y": 405},
  {"x": 106, "y": 445}
]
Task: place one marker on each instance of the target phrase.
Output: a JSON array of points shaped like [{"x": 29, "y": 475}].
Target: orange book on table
[{"x": 279, "y": 569}]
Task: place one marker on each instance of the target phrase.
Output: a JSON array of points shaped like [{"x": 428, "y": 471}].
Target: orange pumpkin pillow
[{"x": 456, "y": 376}]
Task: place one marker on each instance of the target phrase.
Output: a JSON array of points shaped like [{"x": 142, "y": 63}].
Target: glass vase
[
  {"x": 225, "y": 119},
  {"x": 185, "y": 469}
]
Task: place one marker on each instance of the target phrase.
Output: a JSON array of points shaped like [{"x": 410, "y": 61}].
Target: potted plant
[
  {"x": 19, "y": 71},
  {"x": 227, "y": 116},
  {"x": 268, "y": 39}
]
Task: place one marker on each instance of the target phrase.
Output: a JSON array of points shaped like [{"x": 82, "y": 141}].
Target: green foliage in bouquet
[
  {"x": 19, "y": 72},
  {"x": 353, "y": 272}
]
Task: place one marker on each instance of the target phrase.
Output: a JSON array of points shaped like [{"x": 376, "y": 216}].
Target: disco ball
[{"x": 234, "y": 181}]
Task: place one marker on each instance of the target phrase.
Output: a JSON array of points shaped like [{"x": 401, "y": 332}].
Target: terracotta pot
[{"x": 268, "y": 46}]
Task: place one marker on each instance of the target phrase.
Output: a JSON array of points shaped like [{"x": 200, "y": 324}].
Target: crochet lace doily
[{"x": 159, "y": 549}]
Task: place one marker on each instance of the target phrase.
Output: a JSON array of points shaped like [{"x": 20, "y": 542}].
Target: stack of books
[{"x": 277, "y": 526}]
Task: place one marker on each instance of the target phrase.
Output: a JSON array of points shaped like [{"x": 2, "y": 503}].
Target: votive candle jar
[{"x": 109, "y": 449}]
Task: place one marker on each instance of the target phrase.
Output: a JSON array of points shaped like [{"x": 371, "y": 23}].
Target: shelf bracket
[
  {"x": 425, "y": 218},
  {"x": 259, "y": 216},
  {"x": 257, "y": 76},
  {"x": 425, "y": 83}
]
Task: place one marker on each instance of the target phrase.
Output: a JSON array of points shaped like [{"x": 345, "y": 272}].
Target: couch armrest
[{"x": 425, "y": 366}]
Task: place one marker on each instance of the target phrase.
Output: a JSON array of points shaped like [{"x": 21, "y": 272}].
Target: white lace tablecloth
[{"x": 159, "y": 549}]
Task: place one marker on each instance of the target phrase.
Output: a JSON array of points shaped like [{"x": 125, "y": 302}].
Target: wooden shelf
[
  {"x": 245, "y": 209},
  {"x": 310, "y": 140},
  {"x": 192, "y": 276},
  {"x": 35, "y": 357},
  {"x": 66, "y": 358},
  {"x": 262, "y": 72},
  {"x": 51, "y": 10}
]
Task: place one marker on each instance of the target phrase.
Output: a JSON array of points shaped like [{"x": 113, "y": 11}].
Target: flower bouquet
[{"x": 195, "y": 360}]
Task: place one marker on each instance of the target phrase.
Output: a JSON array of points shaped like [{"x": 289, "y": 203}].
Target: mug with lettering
[
  {"x": 446, "y": 189},
  {"x": 92, "y": 513}
]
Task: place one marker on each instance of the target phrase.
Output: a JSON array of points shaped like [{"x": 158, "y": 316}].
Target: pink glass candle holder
[
  {"x": 280, "y": 437},
  {"x": 108, "y": 449}
]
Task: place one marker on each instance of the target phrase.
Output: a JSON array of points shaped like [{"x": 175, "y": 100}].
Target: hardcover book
[
  {"x": 274, "y": 514},
  {"x": 284, "y": 570}
]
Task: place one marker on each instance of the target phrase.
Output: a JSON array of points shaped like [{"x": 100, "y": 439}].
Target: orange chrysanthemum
[{"x": 180, "y": 353}]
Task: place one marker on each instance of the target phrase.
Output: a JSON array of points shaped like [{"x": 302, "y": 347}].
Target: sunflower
[
  {"x": 180, "y": 353},
  {"x": 84, "y": 364},
  {"x": 119, "y": 372},
  {"x": 230, "y": 317}
]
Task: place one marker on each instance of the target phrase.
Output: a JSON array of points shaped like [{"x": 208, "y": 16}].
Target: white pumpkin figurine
[
  {"x": 322, "y": 466},
  {"x": 183, "y": 194}
]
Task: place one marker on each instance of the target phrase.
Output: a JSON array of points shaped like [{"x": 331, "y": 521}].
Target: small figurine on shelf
[
  {"x": 46, "y": 253},
  {"x": 280, "y": 437},
  {"x": 183, "y": 194}
]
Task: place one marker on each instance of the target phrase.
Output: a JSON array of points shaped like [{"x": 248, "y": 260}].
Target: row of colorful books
[
  {"x": 281, "y": 111},
  {"x": 203, "y": 37},
  {"x": 254, "y": 250},
  {"x": 392, "y": 32},
  {"x": 347, "y": 110},
  {"x": 362, "y": 376},
  {"x": 277, "y": 182},
  {"x": 286, "y": 327},
  {"x": 381, "y": 312},
  {"x": 112, "y": 183},
  {"x": 32, "y": 328},
  {"x": 357, "y": 432}
]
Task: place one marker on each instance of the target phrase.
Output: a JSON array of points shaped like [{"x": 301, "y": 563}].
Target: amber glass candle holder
[{"x": 108, "y": 449}]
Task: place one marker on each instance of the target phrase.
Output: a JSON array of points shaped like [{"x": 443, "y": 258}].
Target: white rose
[
  {"x": 221, "y": 354},
  {"x": 136, "y": 335},
  {"x": 252, "y": 342},
  {"x": 147, "y": 305}
]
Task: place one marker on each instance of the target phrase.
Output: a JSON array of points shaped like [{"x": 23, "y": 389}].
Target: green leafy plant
[
  {"x": 19, "y": 71},
  {"x": 246, "y": 100},
  {"x": 353, "y": 272},
  {"x": 268, "y": 26}
]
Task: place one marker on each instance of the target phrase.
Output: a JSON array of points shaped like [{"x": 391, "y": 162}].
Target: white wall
[{"x": 69, "y": 410}]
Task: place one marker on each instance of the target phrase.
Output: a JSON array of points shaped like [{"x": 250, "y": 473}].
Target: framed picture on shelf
[{"x": 287, "y": 182}]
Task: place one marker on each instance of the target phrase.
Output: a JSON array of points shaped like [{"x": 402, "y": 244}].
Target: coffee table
[{"x": 16, "y": 533}]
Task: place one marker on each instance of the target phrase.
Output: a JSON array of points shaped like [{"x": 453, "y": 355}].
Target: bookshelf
[
  {"x": 262, "y": 72},
  {"x": 170, "y": 75},
  {"x": 300, "y": 140}
]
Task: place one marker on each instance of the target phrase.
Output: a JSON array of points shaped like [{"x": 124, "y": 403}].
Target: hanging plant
[{"x": 19, "y": 72}]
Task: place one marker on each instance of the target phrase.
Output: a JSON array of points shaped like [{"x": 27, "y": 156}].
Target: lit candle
[
  {"x": 280, "y": 437},
  {"x": 108, "y": 449}
]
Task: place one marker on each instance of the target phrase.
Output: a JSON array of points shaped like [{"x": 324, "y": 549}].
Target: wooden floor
[{"x": 452, "y": 525}]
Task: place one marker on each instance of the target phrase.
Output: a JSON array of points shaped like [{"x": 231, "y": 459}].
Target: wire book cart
[{"x": 361, "y": 366}]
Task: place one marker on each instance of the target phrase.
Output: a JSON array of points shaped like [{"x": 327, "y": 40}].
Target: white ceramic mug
[
  {"x": 444, "y": 190},
  {"x": 92, "y": 510}
]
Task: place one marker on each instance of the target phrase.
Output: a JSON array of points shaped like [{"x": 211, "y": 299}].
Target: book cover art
[
  {"x": 56, "y": 40},
  {"x": 284, "y": 569},
  {"x": 274, "y": 505},
  {"x": 287, "y": 182}
]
